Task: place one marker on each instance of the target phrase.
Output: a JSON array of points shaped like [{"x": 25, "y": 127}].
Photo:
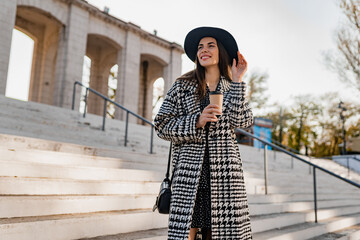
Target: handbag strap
[{"x": 168, "y": 166}]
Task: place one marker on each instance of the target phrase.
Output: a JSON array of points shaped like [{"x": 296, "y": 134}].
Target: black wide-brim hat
[{"x": 193, "y": 38}]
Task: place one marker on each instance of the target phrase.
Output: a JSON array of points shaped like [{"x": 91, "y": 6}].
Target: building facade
[{"x": 64, "y": 31}]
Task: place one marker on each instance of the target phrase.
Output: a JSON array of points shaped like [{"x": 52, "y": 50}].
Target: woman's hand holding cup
[{"x": 208, "y": 115}]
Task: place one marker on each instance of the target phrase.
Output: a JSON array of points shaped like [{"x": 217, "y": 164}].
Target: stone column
[
  {"x": 7, "y": 22},
  {"x": 72, "y": 49},
  {"x": 49, "y": 65},
  {"x": 155, "y": 71},
  {"x": 173, "y": 70},
  {"x": 129, "y": 75},
  {"x": 119, "y": 114},
  {"x": 37, "y": 61},
  {"x": 99, "y": 81}
]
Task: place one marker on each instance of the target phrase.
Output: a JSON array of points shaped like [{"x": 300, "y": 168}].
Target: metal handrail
[
  {"x": 106, "y": 99},
  {"x": 355, "y": 158},
  {"x": 296, "y": 157},
  {"x": 348, "y": 162}
]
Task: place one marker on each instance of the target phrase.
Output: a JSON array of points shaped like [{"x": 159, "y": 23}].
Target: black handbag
[{"x": 162, "y": 203}]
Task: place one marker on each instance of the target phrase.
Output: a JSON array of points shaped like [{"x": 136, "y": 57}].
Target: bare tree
[
  {"x": 256, "y": 90},
  {"x": 346, "y": 59},
  {"x": 305, "y": 109}
]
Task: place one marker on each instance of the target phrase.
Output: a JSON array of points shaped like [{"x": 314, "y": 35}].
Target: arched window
[
  {"x": 21, "y": 54},
  {"x": 85, "y": 81},
  {"x": 158, "y": 96},
  {"x": 112, "y": 86}
]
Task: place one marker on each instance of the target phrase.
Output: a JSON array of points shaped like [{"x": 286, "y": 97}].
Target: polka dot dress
[{"x": 201, "y": 217}]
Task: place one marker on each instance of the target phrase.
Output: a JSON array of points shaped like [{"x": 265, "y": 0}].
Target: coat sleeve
[
  {"x": 240, "y": 111},
  {"x": 171, "y": 125}
]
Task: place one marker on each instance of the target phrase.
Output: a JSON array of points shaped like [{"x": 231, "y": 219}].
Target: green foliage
[{"x": 313, "y": 125}]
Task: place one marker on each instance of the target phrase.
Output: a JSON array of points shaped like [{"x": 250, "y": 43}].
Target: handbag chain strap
[{"x": 168, "y": 166}]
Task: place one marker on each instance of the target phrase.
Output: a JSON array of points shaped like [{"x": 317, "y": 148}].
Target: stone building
[{"x": 64, "y": 31}]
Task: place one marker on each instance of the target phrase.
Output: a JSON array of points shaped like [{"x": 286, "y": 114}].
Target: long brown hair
[{"x": 198, "y": 74}]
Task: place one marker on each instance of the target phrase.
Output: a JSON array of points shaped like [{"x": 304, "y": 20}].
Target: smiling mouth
[{"x": 205, "y": 57}]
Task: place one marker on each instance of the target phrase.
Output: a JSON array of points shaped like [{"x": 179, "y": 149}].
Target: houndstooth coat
[{"x": 176, "y": 122}]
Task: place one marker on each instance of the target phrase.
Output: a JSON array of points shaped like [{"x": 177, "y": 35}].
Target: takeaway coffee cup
[{"x": 216, "y": 97}]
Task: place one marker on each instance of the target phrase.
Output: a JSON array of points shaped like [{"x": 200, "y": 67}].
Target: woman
[{"x": 208, "y": 189}]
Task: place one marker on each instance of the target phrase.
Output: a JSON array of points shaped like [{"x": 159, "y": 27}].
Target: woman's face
[{"x": 208, "y": 52}]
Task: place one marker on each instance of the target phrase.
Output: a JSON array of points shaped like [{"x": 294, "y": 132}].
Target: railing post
[
  {"x": 265, "y": 170},
  {"x": 315, "y": 195},
  {"x": 85, "y": 100},
  {"x": 126, "y": 127},
  {"x": 104, "y": 114},
  {"x": 73, "y": 98},
  {"x": 348, "y": 166},
  {"x": 292, "y": 163},
  {"x": 151, "y": 140},
  {"x": 274, "y": 154}
]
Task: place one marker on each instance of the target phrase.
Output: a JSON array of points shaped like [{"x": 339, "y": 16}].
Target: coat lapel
[{"x": 225, "y": 89}]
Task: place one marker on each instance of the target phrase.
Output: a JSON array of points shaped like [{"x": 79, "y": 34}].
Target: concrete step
[
  {"x": 40, "y": 113},
  {"x": 61, "y": 167},
  {"x": 274, "y": 208},
  {"x": 268, "y": 222},
  {"x": 51, "y": 171},
  {"x": 349, "y": 233},
  {"x": 22, "y": 143},
  {"x": 93, "y": 139},
  {"x": 303, "y": 197},
  {"x": 39, "y": 186},
  {"x": 133, "y": 156},
  {"x": 276, "y": 189},
  {"x": 74, "y": 134},
  {"x": 296, "y": 232},
  {"x": 45, "y": 175},
  {"x": 28, "y": 206},
  {"x": 79, "y": 131},
  {"x": 137, "y": 161},
  {"x": 154, "y": 234},
  {"x": 75, "y": 226},
  {"x": 36, "y": 119},
  {"x": 28, "y": 108},
  {"x": 61, "y": 189},
  {"x": 13, "y": 142},
  {"x": 37, "y": 112},
  {"x": 310, "y": 230},
  {"x": 24, "y": 206},
  {"x": 70, "y": 166}
]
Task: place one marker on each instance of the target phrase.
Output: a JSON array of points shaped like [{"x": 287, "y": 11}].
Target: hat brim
[{"x": 193, "y": 38}]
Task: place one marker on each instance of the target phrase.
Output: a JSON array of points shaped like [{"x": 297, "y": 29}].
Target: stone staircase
[{"x": 61, "y": 177}]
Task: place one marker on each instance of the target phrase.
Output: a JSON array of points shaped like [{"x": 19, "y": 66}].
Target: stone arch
[
  {"x": 151, "y": 68},
  {"x": 112, "y": 32},
  {"x": 103, "y": 53},
  {"x": 45, "y": 30},
  {"x": 53, "y": 9}
]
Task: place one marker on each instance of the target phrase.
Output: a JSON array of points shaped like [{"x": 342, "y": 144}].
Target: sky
[{"x": 283, "y": 38}]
